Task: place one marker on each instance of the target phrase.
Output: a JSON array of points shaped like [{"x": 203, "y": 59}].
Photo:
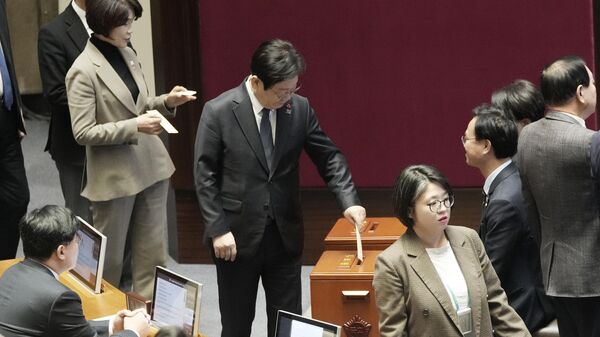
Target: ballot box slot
[{"x": 355, "y": 295}]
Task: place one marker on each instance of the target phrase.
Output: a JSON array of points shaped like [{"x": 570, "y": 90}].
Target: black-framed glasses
[
  {"x": 281, "y": 94},
  {"x": 464, "y": 139},
  {"x": 436, "y": 205}
]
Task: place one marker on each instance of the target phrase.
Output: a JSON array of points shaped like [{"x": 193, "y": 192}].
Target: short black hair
[
  {"x": 170, "y": 331},
  {"x": 560, "y": 79},
  {"x": 275, "y": 61},
  {"x": 44, "y": 229},
  {"x": 105, "y": 15},
  {"x": 409, "y": 186},
  {"x": 521, "y": 99},
  {"x": 498, "y": 127}
]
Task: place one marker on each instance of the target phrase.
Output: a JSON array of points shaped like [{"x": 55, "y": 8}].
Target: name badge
[{"x": 465, "y": 321}]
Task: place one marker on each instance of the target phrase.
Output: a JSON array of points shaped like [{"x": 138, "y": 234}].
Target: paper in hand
[
  {"x": 187, "y": 93},
  {"x": 163, "y": 121}
]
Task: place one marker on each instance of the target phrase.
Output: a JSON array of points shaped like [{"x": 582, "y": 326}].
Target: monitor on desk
[
  {"x": 292, "y": 325},
  {"x": 90, "y": 261},
  {"x": 176, "y": 301}
]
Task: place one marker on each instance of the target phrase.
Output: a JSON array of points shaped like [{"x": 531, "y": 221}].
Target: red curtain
[{"x": 394, "y": 82}]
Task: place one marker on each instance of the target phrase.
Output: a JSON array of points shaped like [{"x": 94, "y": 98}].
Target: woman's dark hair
[
  {"x": 409, "y": 186},
  {"x": 276, "y": 61},
  {"x": 560, "y": 79},
  {"x": 170, "y": 331},
  {"x": 46, "y": 228},
  {"x": 105, "y": 15}
]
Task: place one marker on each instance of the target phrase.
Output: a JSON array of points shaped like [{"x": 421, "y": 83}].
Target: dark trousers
[
  {"x": 238, "y": 284},
  {"x": 14, "y": 191},
  {"x": 578, "y": 316}
]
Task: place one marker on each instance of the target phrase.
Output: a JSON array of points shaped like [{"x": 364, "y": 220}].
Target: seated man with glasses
[
  {"x": 490, "y": 141},
  {"x": 32, "y": 300}
]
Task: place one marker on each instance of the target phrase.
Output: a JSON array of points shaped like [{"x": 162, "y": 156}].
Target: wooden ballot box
[
  {"x": 340, "y": 289},
  {"x": 376, "y": 234}
]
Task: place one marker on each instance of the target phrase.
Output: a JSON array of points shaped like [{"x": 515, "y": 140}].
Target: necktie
[
  {"x": 6, "y": 83},
  {"x": 266, "y": 136},
  {"x": 482, "y": 225}
]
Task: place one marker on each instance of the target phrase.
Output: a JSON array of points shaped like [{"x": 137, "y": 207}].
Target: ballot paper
[
  {"x": 359, "y": 249},
  {"x": 187, "y": 93},
  {"x": 163, "y": 121}
]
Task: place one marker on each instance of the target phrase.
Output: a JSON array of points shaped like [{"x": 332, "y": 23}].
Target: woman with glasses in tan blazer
[{"x": 436, "y": 280}]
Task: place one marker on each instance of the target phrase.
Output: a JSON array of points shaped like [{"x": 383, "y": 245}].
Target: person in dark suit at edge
[
  {"x": 14, "y": 190},
  {"x": 32, "y": 300},
  {"x": 59, "y": 43},
  {"x": 560, "y": 188},
  {"x": 247, "y": 152},
  {"x": 490, "y": 141}
]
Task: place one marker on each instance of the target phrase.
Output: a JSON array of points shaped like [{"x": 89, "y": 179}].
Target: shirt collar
[
  {"x": 81, "y": 14},
  {"x": 256, "y": 106},
  {"x": 575, "y": 117},
  {"x": 55, "y": 274},
  {"x": 490, "y": 179}
]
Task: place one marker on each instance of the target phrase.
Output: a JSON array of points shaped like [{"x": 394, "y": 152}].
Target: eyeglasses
[
  {"x": 281, "y": 94},
  {"x": 436, "y": 205},
  {"x": 464, "y": 139}
]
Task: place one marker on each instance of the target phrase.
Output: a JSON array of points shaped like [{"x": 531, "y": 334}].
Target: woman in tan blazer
[
  {"x": 127, "y": 165},
  {"x": 436, "y": 280}
]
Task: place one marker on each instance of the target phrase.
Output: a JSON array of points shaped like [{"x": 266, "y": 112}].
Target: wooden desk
[{"x": 109, "y": 302}]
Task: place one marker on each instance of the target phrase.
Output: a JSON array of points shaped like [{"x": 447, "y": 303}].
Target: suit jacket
[
  {"x": 16, "y": 108},
  {"x": 59, "y": 43},
  {"x": 235, "y": 188},
  {"x": 34, "y": 303},
  {"x": 561, "y": 195},
  {"x": 120, "y": 161},
  {"x": 512, "y": 250},
  {"x": 412, "y": 300}
]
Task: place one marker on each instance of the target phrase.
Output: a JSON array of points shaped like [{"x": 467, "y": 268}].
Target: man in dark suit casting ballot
[
  {"x": 32, "y": 300},
  {"x": 247, "y": 152}
]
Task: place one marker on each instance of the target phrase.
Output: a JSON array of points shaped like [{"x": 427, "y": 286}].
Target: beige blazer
[
  {"x": 120, "y": 161},
  {"x": 412, "y": 301}
]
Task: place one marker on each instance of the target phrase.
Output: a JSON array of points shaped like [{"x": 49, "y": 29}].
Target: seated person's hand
[{"x": 138, "y": 321}]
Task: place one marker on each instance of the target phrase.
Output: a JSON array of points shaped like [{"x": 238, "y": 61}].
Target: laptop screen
[
  {"x": 90, "y": 261},
  {"x": 176, "y": 301},
  {"x": 292, "y": 325}
]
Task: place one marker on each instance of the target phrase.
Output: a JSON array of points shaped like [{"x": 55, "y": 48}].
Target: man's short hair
[
  {"x": 498, "y": 127},
  {"x": 409, "y": 186},
  {"x": 521, "y": 99},
  {"x": 275, "y": 61},
  {"x": 46, "y": 228},
  {"x": 560, "y": 79},
  {"x": 105, "y": 15}
]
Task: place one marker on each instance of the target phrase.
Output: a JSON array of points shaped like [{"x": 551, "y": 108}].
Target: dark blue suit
[
  {"x": 34, "y": 303},
  {"x": 510, "y": 246}
]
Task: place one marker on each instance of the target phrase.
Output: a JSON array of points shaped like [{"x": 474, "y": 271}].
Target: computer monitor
[
  {"x": 176, "y": 301},
  {"x": 292, "y": 325},
  {"x": 90, "y": 261}
]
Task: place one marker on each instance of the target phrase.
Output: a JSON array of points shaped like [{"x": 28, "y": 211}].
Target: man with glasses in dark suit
[{"x": 247, "y": 154}]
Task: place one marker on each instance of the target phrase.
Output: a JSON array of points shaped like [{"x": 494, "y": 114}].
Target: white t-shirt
[{"x": 447, "y": 267}]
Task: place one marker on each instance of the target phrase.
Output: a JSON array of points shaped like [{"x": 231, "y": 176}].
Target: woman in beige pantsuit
[
  {"x": 436, "y": 280},
  {"x": 127, "y": 165}
]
